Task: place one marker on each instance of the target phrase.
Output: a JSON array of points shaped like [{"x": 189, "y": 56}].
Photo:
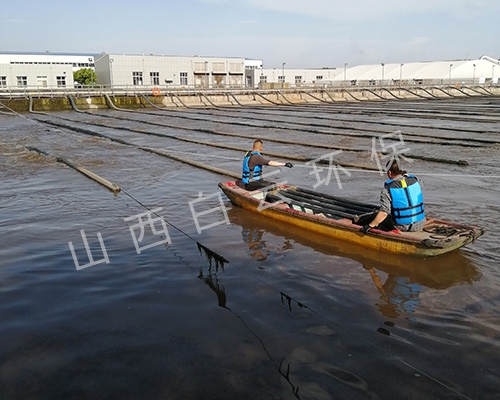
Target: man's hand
[
  {"x": 366, "y": 228},
  {"x": 289, "y": 165}
]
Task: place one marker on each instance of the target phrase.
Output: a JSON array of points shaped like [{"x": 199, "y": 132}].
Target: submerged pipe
[
  {"x": 99, "y": 179},
  {"x": 30, "y": 97},
  {"x": 478, "y": 92},
  {"x": 429, "y": 93},
  {"x": 148, "y": 149},
  {"x": 443, "y": 91},
  {"x": 235, "y": 99},
  {"x": 110, "y": 103},
  {"x": 197, "y": 164},
  {"x": 151, "y": 103},
  {"x": 209, "y": 101},
  {"x": 316, "y": 98},
  {"x": 42, "y": 152},
  {"x": 265, "y": 98},
  {"x": 350, "y": 94},
  {"x": 73, "y": 104},
  {"x": 180, "y": 100},
  {"x": 460, "y": 90},
  {"x": 375, "y": 94},
  {"x": 392, "y": 94},
  {"x": 284, "y": 97}
]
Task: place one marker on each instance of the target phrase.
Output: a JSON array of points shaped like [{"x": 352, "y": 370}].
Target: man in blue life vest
[
  {"x": 251, "y": 177},
  {"x": 401, "y": 204}
]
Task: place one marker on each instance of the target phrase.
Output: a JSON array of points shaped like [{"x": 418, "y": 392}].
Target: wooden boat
[{"x": 332, "y": 216}]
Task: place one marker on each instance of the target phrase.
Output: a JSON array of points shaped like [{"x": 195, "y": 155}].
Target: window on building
[
  {"x": 281, "y": 78},
  {"x": 263, "y": 79},
  {"x": 22, "y": 81},
  {"x": 319, "y": 77},
  {"x": 218, "y": 67},
  {"x": 154, "y": 78},
  {"x": 61, "y": 81},
  {"x": 3, "y": 81},
  {"x": 137, "y": 78},
  {"x": 235, "y": 68},
  {"x": 41, "y": 81},
  {"x": 184, "y": 78},
  {"x": 298, "y": 79}
]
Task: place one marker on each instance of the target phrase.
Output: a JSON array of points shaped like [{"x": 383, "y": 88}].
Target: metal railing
[{"x": 152, "y": 90}]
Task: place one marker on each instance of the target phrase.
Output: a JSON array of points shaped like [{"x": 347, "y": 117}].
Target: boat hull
[{"x": 429, "y": 242}]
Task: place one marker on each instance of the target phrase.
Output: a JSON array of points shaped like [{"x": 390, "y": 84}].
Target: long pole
[
  {"x": 283, "y": 76},
  {"x": 206, "y": 73},
  {"x": 111, "y": 73}
]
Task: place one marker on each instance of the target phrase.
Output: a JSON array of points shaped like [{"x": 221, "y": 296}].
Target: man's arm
[
  {"x": 381, "y": 215},
  {"x": 259, "y": 160},
  {"x": 385, "y": 209},
  {"x": 276, "y": 164}
]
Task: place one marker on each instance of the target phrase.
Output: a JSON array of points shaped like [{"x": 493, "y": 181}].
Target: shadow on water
[{"x": 398, "y": 279}]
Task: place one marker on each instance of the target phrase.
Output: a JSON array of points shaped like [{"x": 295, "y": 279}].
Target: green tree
[{"x": 85, "y": 76}]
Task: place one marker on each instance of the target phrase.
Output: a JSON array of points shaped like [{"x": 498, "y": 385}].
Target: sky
[{"x": 300, "y": 33}]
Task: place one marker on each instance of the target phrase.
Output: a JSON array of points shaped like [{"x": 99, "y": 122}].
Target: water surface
[{"x": 290, "y": 315}]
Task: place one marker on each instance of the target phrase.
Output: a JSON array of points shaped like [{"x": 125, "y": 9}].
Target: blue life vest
[
  {"x": 407, "y": 200},
  {"x": 248, "y": 174}
]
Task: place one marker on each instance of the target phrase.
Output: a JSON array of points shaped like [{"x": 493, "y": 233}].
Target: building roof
[{"x": 436, "y": 70}]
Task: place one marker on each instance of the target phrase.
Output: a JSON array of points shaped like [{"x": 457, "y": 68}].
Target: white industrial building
[
  {"x": 41, "y": 71},
  {"x": 159, "y": 72},
  {"x": 123, "y": 71},
  {"x": 277, "y": 78},
  {"x": 485, "y": 70}
]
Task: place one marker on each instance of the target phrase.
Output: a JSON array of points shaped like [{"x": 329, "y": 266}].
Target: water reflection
[
  {"x": 398, "y": 293},
  {"x": 211, "y": 279},
  {"x": 258, "y": 248},
  {"x": 398, "y": 279}
]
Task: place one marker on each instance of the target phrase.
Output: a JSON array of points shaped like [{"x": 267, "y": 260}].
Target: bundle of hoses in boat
[{"x": 331, "y": 206}]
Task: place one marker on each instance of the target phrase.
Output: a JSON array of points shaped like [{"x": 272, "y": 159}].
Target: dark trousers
[
  {"x": 386, "y": 225},
  {"x": 254, "y": 185}
]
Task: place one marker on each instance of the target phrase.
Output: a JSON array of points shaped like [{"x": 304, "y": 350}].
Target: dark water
[{"x": 290, "y": 315}]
